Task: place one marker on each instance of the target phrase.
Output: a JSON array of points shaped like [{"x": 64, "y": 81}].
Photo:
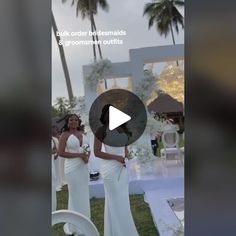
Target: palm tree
[
  {"x": 61, "y": 105},
  {"x": 87, "y": 9},
  {"x": 165, "y": 15},
  {"x": 63, "y": 60}
]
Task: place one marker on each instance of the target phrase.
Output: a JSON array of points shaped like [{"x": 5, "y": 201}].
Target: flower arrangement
[
  {"x": 99, "y": 70},
  {"x": 146, "y": 86},
  {"x": 155, "y": 126},
  {"x": 79, "y": 105},
  {"x": 86, "y": 148},
  {"x": 142, "y": 152}
]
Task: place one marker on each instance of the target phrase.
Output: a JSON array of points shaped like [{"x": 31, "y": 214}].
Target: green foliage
[
  {"x": 83, "y": 8},
  {"x": 62, "y": 106},
  {"x": 54, "y": 112},
  {"x": 164, "y": 14},
  {"x": 99, "y": 70}
]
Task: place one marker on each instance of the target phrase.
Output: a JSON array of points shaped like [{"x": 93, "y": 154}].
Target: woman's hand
[
  {"x": 121, "y": 159},
  {"x": 55, "y": 156},
  {"x": 85, "y": 157}
]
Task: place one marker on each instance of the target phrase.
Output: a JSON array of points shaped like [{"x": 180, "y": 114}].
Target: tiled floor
[{"x": 163, "y": 216}]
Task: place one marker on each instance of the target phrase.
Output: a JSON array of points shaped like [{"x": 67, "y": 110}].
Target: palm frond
[
  {"x": 179, "y": 3},
  {"x": 148, "y": 8},
  {"x": 72, "y": 3},
  {"x": 162, "y": 28},
  {"x": 177, "y": 19},
  {"x": 163, "y": 25},
  {"x": 151, "y": 21},
  {"x": 82, "y": 7},
  {"x": 103, "y": 4},
  {"x": 78, "y": 10},
  {"x": 163, "y": 13},
  {"x": 94, "y": 7}
]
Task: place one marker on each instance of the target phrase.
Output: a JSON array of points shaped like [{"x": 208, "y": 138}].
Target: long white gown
[
  {"x": 118, "y": 220},
  {"x": 77, "y": 177},
  {"x": 58, "y": 168},
  {"x": 60, "y": 174}
]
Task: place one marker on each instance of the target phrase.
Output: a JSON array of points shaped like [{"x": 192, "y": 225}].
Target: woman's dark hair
[
  {"x": 105, "y": 110},
  {"x": 104, "y": 121},
  {"x": 66, "y": 120},
  {"x": 126, "y": 130},
  {"x": 54, "y": 130}
]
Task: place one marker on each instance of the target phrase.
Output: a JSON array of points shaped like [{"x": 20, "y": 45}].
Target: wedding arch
[{"x": 132, "y": 68}]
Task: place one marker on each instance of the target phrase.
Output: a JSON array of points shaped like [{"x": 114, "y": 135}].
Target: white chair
[
  {"x": 170, "y": 140},
  {"x": 85, "y": 226}
]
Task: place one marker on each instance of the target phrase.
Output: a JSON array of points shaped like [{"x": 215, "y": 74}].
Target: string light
[{"x": 171, "y": 81}]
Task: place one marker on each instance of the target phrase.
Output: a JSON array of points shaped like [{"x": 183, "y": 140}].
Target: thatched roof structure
[{"x": 164, "y": 103}]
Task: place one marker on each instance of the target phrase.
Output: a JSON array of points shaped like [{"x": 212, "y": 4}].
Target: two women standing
[{"x": 118, "y": 220}]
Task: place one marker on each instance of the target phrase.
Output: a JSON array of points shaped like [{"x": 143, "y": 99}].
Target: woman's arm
[
  {"x": 98, "y": 152},
  {"x": 62, "y": 147}
]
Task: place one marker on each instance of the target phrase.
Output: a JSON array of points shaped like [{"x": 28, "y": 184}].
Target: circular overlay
[{"x": 125, "y": 102}]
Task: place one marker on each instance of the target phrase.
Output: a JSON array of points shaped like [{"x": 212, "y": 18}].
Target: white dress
[
  {"x": 57, "y": 164},
  {"x": 77, "y": 177},
  {"x": 60, "y": 175},
  {"x": 118, "y": 220}
]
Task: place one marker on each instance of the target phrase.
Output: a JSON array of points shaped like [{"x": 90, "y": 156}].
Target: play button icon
[{"x": 117, "y": 118}]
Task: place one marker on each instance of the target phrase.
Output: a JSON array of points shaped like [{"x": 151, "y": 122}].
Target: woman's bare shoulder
[{"x": 65, "y": 135}]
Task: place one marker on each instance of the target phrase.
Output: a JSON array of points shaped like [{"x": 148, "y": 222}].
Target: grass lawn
[{"x": 140, "y": 210}]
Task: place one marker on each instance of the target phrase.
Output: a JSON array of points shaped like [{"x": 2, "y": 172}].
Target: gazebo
[{"x": 173, "y": 109}]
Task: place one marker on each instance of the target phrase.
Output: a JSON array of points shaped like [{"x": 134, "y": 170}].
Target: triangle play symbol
[{"x": 117, "y": 118}]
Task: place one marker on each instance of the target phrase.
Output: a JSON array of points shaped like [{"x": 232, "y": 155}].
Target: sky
[{"x": 122, "y": 15}]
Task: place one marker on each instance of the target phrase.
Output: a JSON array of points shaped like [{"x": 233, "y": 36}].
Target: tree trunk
[
  {"x": 92, "y": 29},
  {"x": 99, "y": 46},
  {"x": 172, "y": 34},
  {"x": 63, "y": 60},
  {"x": 99, "y": 49}
]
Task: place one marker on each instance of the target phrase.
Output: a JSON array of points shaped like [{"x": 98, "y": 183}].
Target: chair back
[
  {"x": 170, "y": 139},
  {"x": 81, "y": 222}
]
